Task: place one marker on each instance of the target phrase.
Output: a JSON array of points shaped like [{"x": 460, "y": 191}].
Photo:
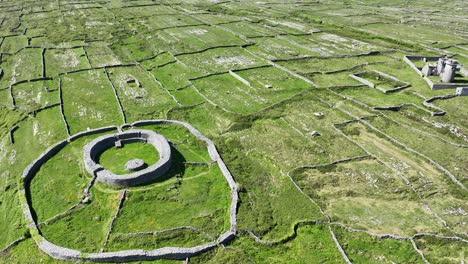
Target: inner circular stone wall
[{"x": 94, "y": 149}]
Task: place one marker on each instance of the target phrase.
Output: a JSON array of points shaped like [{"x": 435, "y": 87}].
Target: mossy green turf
[
  {"x": 264, "y": 130},
  {"x": 114, "y": 159}
]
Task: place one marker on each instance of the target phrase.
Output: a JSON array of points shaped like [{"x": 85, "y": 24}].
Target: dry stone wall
[
  {"x": 93, "y": 149},
  {"x": 181, "y": 253}
]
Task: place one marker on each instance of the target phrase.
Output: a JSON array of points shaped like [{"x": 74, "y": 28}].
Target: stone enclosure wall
[
  {"x": 93, "y": 149},
  {"x": 181, "y": 253}
]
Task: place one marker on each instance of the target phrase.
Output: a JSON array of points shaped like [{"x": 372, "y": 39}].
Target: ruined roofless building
[
  {"x": 445, "y": 67},
  {"x": 447, "y": 74}
]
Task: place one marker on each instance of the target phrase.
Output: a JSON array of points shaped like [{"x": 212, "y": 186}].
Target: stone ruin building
[{"x": 445, "y": 67}]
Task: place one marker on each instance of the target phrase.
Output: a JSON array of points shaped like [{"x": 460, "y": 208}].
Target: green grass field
[
  {"x": 114, "y": 159},
  {"x": 326, "y": 168}
]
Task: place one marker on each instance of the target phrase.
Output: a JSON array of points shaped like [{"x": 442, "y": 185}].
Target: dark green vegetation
[
  {"x": 320, "y": 164},
  {"x": 114, "y": 159}
]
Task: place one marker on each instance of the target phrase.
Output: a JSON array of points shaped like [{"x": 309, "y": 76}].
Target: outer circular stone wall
[
  {"x": 180, "y": 253},
  {"x": 93, "y": 149}
]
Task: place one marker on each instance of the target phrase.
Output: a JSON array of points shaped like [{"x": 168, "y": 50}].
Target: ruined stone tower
[{"x": 447, "y": 75}]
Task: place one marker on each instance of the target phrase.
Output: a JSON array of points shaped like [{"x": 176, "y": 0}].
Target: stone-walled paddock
[
  {"x": 179, "y": 253},
  {"x": 95, "y": 148}
]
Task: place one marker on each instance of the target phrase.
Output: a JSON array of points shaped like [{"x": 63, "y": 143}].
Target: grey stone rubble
[
  {"x": 92, "y": 150},
  {"x": 462, "y": 91},
  {"x": 134, "y": 164},
  {"x": 179, "y": 253}
]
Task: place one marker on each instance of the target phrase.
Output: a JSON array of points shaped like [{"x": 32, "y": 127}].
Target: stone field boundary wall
[
  {"x": 357, "y": 77},
  {"x": 179, "y": 253}
]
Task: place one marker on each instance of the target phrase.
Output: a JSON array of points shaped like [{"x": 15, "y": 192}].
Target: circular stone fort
[{"x": 138, "y": 174}]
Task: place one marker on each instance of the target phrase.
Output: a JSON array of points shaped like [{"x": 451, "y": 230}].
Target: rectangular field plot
[
  {"x": 141, "y": 96},
  {"x": 158, "y": 61},
  {"x": 362, "y": 248},
  {"x": 303, "y": 145},
  {"x": 99, "y": 54},
  {"x": 190, "y": 39},
  {"x": 313, "y": 244},
  {"x": 426, "y": 145},
  {"x": 290, "y": 27},
  {"x": 272, "y": 202},
  {"x": 143, "y": 11},
  {"x": 438, "y": 190},
  {"x": 166, "y": 21},
  {"x": 24, "y": 65},
  {"x": 187, "y": 96},
  {"x": 47, "y": 200},
  {"x": 35, "y": 95},
  {"x": 89, "y": 101},
  {"x": 221, "y": 59},
  {"x": 175, "y": 75},
  {"x": 201, "y": 200},
  {"x": 403, "y": 72},
  {"x": 249, "y": 29},
  {"x": 64, "y": 60},
  {"x": 51, "y": 43},
  {"x": 244, "y": 92},
  {"x": 184, "y": 237},
  {"x": 361, "y": 194},
  {"x": 91, "y": 221},
  {"x": 13, "y": 44},
  {"x": 134, "y": 48},
  {"x": 331, "y": 44},
  {"x": 421, "y": 33},
  {"x": 275, "y": 49},
  {"x": 36, "y": 134},
  {"x": 374, "y": 98},
  {"x": 217, "y": 18},
  {"x": 332, "y": 65},
  {"x": 440, "y": 250}
]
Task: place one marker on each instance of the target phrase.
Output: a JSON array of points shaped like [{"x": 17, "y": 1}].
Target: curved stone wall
[
  {"x": 93, "y": 149},
  {"x": 63, "y": 253}
]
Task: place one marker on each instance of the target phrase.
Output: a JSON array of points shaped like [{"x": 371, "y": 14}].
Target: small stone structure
[
  {"x": 135, "y": 81},
  {"x": 462, "y": 91},
  {"x": 135, "y": 165},
  {"x": 93, "y": 149}
]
